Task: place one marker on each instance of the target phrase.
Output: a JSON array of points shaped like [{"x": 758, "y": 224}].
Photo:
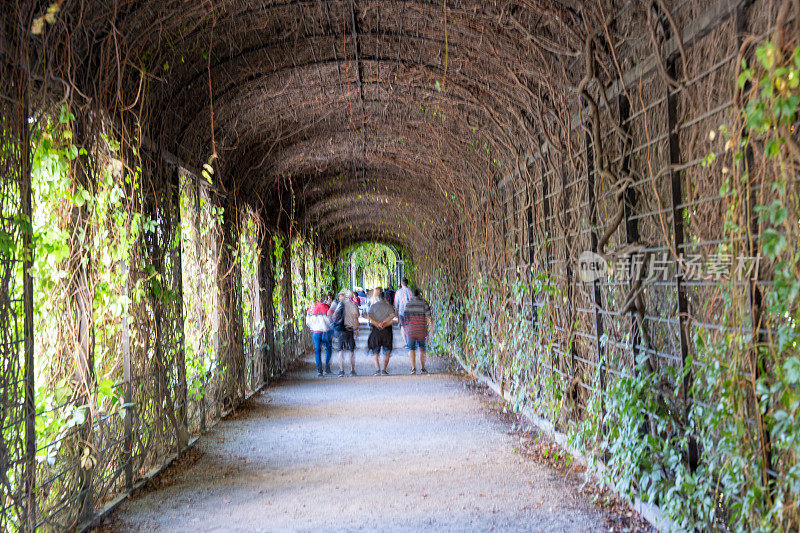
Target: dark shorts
[
  {"x": 344, "y": 340},
  {"x": 413, "y": 343},
  {"x": 336, "y": 340},
  {"x": 380, "y": 338}
]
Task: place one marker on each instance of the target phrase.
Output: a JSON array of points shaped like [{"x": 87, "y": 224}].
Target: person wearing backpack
[{"x": 344, "y": 319}]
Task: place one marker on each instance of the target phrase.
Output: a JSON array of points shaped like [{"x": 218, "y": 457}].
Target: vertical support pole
[
  {"x": 228, "y": 283},
  {"x": 535, "y": 326},
  {"x": 398, "y": 273},
  {"x": 631, "y": 235},
  {"x": 593, "y": 240},
  {"x": 757, "y": 339},
  {"x": 676, "y": 191},
  {"x": 198, "y": 249},
  {"x": 127, "y": 421},
  {"x": 287, "y": 298},
  {"x": 179, "y": 320},
  {"x": 352, "y": 272},
  {"x": 393, "y": 281},
  {"x": 81, "y": 302},
  {"x": 156, "y": 207},
  {"x": 570, "y": 287},
  {"x": 267, "y": 286},
  {"x": 316, "y": 286},
  {"x": 504, "y": 236},
  {"x": 29, "y": 522},
  {"x": 545, "y": 217},
  {"x": 531, "y": 261},
  {"x": 547, "y": 252},
  {"x": 303, "y": 272},
  {"x": 236, "y": 326},
  {"x": 256, "y": 330},
  {"x": 516, "y": 230},
  {"x": 216, "y": 255},
  {"x": 754, "y": 295},
  {"x": 631, "y": 224}
]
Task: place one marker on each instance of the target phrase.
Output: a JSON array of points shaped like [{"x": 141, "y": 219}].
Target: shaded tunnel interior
[{"x": 596, "y": 197}]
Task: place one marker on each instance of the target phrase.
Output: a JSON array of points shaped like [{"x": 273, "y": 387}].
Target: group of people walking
[{"x": 335, "y": 326}]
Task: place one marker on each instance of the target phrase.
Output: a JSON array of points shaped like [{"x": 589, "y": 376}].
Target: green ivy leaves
[
  {"x": 773, "y": 242},
  {"x": 777, "y": 101},
  {"x": 791, "y": 369}
]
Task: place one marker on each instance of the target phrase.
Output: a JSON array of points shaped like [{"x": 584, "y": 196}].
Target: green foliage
[
  {"x": 464, "y": 330},
  {"x": 249, "y": 252},
  {"x": 200, "y": 225},
  {"x": 277, "y": 296},
  {"x": 739, "y": 454},
  {"x": 374, "y": 263},
  {"x": 744, "y": 416},
  {"x": 303, "y": 273},
  {"x": 107, "y": 238},
  {"x": 91, "y": 236},
  {"x": 642, "y": 431}
]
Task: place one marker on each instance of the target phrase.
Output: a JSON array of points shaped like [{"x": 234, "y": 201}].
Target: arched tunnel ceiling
[{"x": 351, "y": 119}]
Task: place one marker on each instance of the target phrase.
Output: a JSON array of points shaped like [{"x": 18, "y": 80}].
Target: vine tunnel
[{"x": 599, "y": 199}]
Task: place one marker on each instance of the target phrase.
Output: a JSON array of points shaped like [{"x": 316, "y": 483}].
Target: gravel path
[{"x": 396, "y": 453}]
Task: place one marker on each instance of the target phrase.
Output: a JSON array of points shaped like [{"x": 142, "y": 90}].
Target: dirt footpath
[{"x": 394, "y": 453}]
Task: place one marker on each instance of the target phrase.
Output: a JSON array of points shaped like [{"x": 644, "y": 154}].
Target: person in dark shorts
[
  {"x": 380, "y": 316},
  {"x": 418, "y": 325},
  {"x": 345, "y": 327}
]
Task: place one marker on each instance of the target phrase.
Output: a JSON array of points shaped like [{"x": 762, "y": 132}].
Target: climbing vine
[{"x": 713, "y": 442}]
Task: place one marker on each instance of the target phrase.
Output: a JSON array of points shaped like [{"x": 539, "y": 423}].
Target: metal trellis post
[
  {"x": 81, "y": 295},
  {"x": 267, "y": 286},
  {"x": 27, "y": 287},
  {"x": 631, "y": 224},
  {"x": 183, "y": 396},
  {"x": 127, "y": 421},
  {"x": 287, "y": 298},
  {"x": 753, "y": 290},
  {"x": 202, "y": 318},
  {"x": 593, "y": 241},
  {"x": 676, "y": 190}
]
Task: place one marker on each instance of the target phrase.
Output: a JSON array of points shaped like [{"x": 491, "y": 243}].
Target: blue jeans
[{"x": 322, "y": 339}]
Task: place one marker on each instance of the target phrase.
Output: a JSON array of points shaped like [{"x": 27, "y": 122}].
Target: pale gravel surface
[{"x": 390, "y": 453}]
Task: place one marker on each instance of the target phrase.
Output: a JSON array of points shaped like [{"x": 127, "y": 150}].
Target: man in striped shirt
[{"x": 418, "y": 324}]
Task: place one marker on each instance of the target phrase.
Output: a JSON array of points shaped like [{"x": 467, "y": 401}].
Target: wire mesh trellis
[
  {"x": 199, "y": 237},
  {"x": 17, "y": 444},
  {"x": 464, "y": 122},
  {"x": 631, "y": 183},
  {"x": 165, "y": 395}
]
